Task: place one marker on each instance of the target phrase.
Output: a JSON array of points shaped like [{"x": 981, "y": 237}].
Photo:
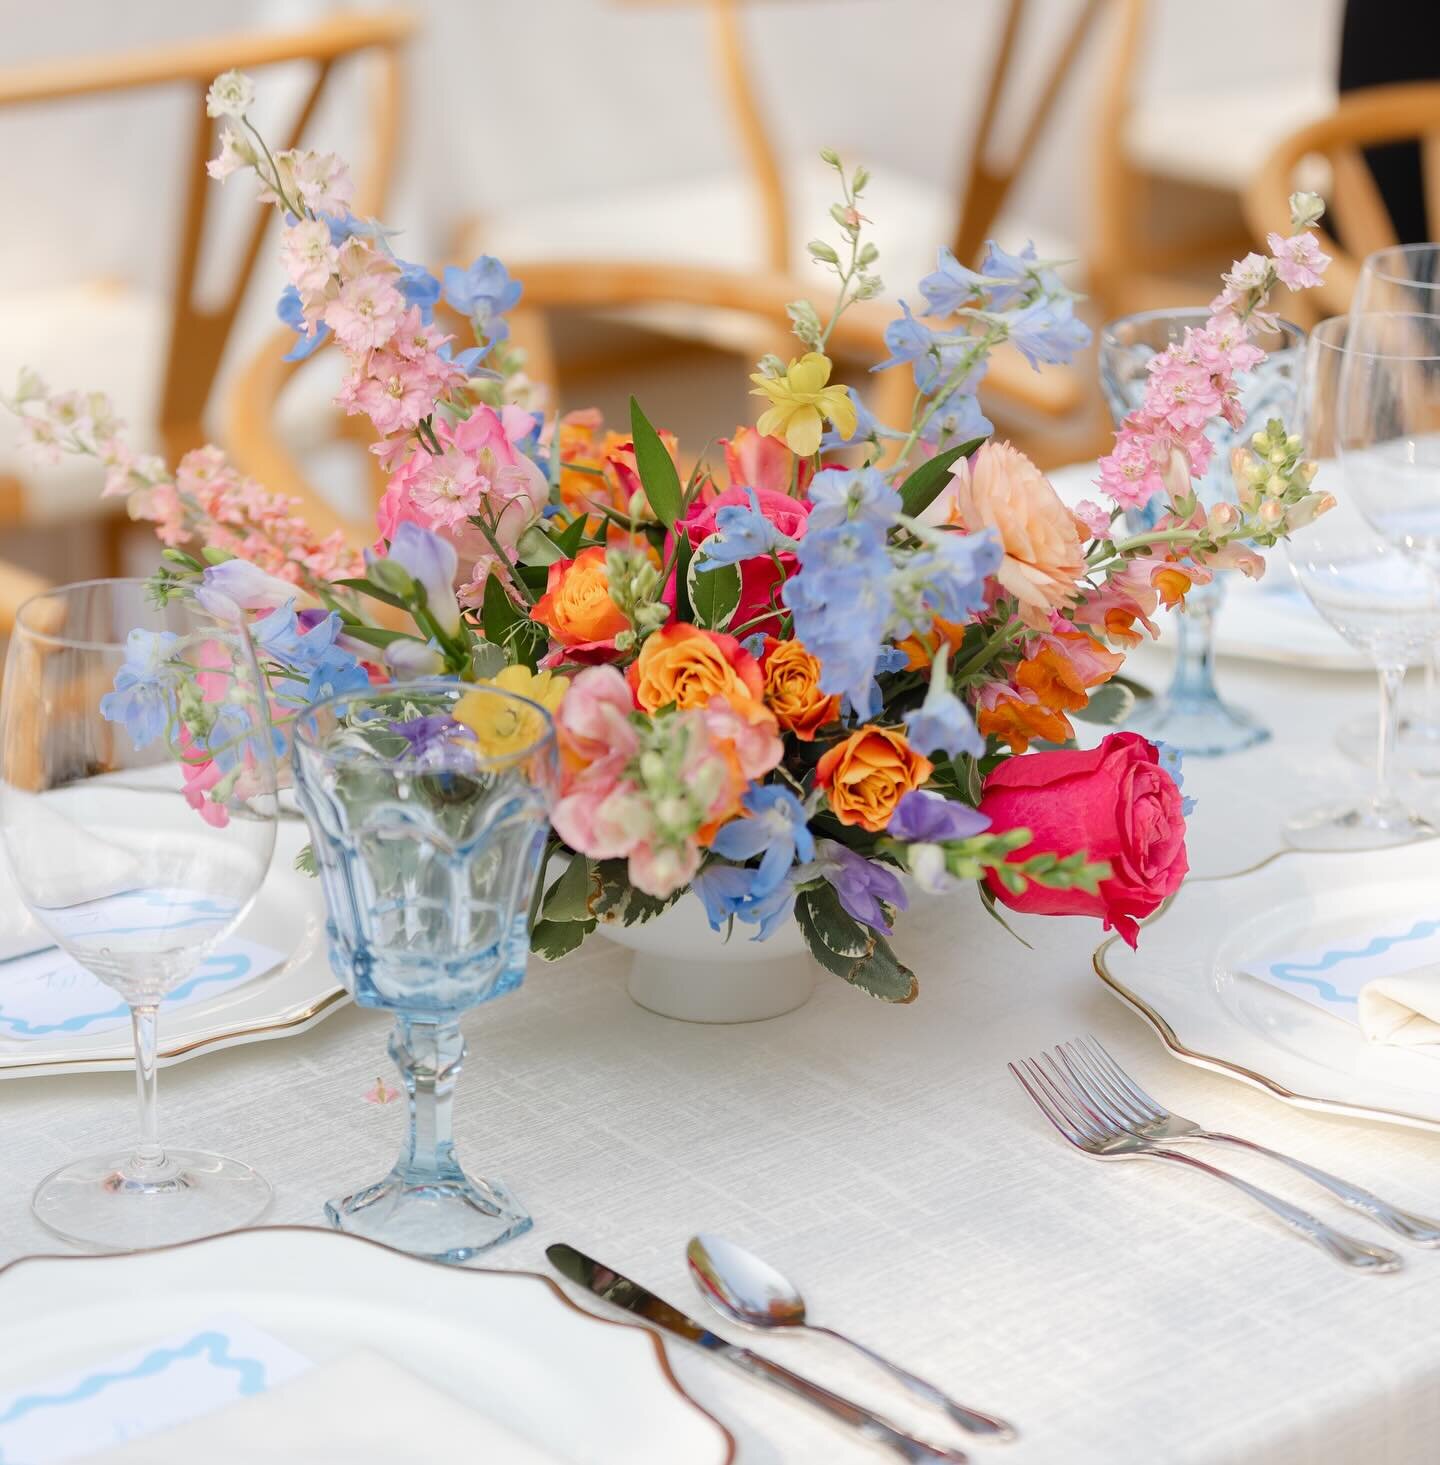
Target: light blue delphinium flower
[
  {"x": 484, "y": 292},
  {"x": 419, "y": 287},
  {"x": 776, "y": 830},
  {"x": 143, "y": 701},
  {"x": 292, "y": 313},
  {"x": 953, "y": 569},
  {"x": 742, "y": 532},
  {"x": 942, "y": 722},
  {"x": 840, "y": 495},
  {"x": 952, "y": 285},
  {"x": 1173, "y": 762},
  {"x": 957, "y": 419},
  {"x": 734, "y": 891},
  {"x": 1047, "y": 330}
]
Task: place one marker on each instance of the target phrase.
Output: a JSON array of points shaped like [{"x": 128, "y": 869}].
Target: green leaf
[
  {"x": 714, "y": 594},
  {"x": 569, "y": 539},
  {"x": 369, "y": 587},
  {"x": 882, "y": 976},
  {"x": 640, "y": 907},
  {"x": 987, "y": 899},
  {"x": 540, "y": 549},
  {"x": 378, "y": 636},
  {"x": 305, "y": 861},
  {"x": 498, "y": 614},
  {"x": 550, "y": 940},
  {"x": 923, "y": 486},
  {"x": 658, "y": 476},
  {"x": 684, "y": 611},
  {"x": 1112, "y": 703},
  {"x": 568, "y": 898},
  {"x": 839, "y": 931}
]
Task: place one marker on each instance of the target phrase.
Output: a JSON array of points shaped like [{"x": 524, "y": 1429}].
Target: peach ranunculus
[
  {"x": 867, "y": 775},
  {"x": 792, "y": 689},
  {"x": 1000, "y": 488},
  {"x": 576, "y": 607},
  {"x": 684, "y": 666}
]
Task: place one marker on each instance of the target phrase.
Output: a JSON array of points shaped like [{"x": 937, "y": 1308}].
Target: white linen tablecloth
[{"x": 885, "y": 1158}]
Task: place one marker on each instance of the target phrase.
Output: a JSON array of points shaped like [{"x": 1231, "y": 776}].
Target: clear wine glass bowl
[
  {"x": 428, "y": 805},
  {"x": 137, "y": 813},
  {"x": 1191, "y": 715}
]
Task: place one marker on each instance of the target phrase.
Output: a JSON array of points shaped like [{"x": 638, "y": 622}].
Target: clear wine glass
[
  {"x": 1377, "y": 598},
  {"x": 428, "y": 805},
  {"x": 137, "y": 811},
  {"x": 1191, "y": 715},
  {"x": 1405, "y": 278}
]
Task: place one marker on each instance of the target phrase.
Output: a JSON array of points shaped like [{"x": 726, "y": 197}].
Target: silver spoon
[{"x": 739, "y": 1285}]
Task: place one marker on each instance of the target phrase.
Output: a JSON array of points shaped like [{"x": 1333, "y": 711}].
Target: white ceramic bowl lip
[
  {"x": 684, "y": 930},
  {"x": 662, "y": 1359}
]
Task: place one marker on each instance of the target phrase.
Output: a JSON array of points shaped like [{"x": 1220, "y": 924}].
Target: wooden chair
[
  {"x": 1168, "y": 175},
  {"x": 189, "y": 335},
  {"x": 1328, "y": 157}
]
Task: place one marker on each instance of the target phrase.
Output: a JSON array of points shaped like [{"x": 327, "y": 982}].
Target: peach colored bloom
[
  {"x": 576, "y": 608},
  {"x": 685, "y": 666},
  {"x": 1001, "y": 489}
]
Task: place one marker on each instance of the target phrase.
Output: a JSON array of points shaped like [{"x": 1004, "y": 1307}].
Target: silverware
[
  {"x": 1085, "y": 1119},
  {"x": 622, "y": 1292},
  {"x": 1151, "y": 1120},
  {"x": 748, "y": 1291}
]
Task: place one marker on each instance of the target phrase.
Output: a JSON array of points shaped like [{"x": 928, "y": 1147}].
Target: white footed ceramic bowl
[{"x": 683, "y": 969}]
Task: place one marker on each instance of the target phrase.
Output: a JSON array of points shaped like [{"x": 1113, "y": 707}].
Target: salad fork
[
  {"x": 1084, "y": 1119},
  {"x": 1151, "y": 1120}
]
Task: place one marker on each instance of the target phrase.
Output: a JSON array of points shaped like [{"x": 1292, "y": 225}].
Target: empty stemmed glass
[
  {"x": 1377, "y": 598},
  {"x": 1191, "y": 716},
  {"x": 428, "y": 805},
  {"x": 137, "y": 810}
]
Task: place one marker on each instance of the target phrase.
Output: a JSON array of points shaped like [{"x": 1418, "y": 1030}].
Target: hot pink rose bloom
[
  {"x": 758, "y": 578},
  {"x": 1114, "y": 802},
  {"x": 999, "y": 488}
]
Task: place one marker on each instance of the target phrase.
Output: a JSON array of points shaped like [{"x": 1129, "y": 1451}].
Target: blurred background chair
[
  {"x": 158, "y": 352},
  {"x": 1329, "y": 156}
]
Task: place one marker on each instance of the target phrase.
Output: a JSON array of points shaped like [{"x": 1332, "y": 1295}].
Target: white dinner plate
[
  {"x": 510, "y": 1345},
  {"x": 288, "y": 914},
  {"x": 1187, "y": 981},
  {"x": 1259, "y": 620}
]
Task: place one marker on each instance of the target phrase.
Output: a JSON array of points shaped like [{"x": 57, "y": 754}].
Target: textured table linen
[{"x": 884, "y": 1158}]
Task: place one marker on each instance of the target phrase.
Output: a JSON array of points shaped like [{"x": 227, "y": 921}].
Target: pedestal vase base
[{"x": 1198, "y": 727}]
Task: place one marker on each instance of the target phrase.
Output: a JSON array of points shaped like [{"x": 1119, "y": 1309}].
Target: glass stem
[
  {"x": 1391, "y": 678},
  {"x": 429, "y": 1056},
  {"x": 143, "y": 1022},
  {"x": 1194, "y": 679}
]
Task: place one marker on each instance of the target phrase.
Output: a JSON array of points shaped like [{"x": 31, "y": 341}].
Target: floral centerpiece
[{"x": 787, "y": 679}]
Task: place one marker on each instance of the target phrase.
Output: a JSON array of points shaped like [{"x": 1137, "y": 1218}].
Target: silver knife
[{"x": 620, "y": 1291}]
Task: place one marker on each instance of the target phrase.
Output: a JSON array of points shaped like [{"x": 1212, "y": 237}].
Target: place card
[
  {"x": 48, "y": 994},
  {"x": 1332, "y": 977},
  {"x": 141, "y": 1391}
]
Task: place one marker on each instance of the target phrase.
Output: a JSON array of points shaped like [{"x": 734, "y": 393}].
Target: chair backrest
[
  {"x": 199, "y": 331},
  {"x": 1328, "y": 156},
  {"x": 987, "y": 177}
]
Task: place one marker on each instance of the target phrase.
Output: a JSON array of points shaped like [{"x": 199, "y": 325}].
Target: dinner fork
[
  {"x": 1087, "y": 1122},
  {"x": 1151, "y": 1120}
]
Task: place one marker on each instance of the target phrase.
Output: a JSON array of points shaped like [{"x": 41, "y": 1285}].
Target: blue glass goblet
[
  {"x": 1191, "y": 716},
  {"x": 428, "y": 832}
]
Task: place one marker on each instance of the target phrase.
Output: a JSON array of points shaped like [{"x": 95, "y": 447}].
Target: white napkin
[
  {"x": 360, "y": 1410},
  {"x": 1403, "y": 1009}
]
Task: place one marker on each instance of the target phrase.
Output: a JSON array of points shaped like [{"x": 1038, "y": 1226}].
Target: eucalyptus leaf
[
  {"x": 923, "y": 486},
  {"x": 658, "y": 475}
]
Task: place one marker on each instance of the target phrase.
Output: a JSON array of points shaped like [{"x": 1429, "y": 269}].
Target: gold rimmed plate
[
  {"x": 288, "y": 916},
  {"x": 508, "y": 1345},
  {"x": 1189, "y": 980}
]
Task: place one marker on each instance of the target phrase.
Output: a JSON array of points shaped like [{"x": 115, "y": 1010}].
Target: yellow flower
[
  {"x": 502, "y": 726},
  {"x": 801, "y": 403}
]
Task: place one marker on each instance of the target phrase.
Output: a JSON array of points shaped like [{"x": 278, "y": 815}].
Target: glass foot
[
  {"x": 109, "y": 1203},
  {"x": 1417, "y": 744},
  {"x": 446, "y": 1220},
  {"x": 1355, "y": 827},
  {"x": 1198, "y": 728}
]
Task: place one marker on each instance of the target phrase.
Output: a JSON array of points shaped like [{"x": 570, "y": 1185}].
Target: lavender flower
[
  {"x": 932, "y": 819},
  {"x": 860, "y": 884}
]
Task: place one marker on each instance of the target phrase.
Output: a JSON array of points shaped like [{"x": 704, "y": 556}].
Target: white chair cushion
[{"x": 94, "y": 337}]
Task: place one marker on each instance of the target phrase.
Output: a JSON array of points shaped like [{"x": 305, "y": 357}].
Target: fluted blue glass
[
  {"x": 428, "y": 843},
  {"x": 1191, "y": 715}
]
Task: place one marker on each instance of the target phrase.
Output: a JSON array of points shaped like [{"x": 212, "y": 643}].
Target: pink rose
[
  {"x": 758, "y": 577},
  {"x": 1114, "y": 802},
  {"x": 999, "y": 488}
]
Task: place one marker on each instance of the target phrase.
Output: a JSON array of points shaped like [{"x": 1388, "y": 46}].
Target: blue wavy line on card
[
  {"x": 220, "y": 967},
  {"x": 250, "y": 1373},
  {"x": 206, "y": 910},
  {"x": 1296, "y": 971}
]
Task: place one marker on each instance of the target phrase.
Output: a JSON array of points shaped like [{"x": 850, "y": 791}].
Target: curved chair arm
[{"x": 16, "y": 587}]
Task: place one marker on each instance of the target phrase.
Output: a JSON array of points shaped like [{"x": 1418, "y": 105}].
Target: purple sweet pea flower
[
  {"x": 432, "y": 563},
  {"x": 235, "y": 585},
  {"x": 922, "y": 817},
  {"x": 433, "y": 734},
  {"x": 860, "y": 884}
]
